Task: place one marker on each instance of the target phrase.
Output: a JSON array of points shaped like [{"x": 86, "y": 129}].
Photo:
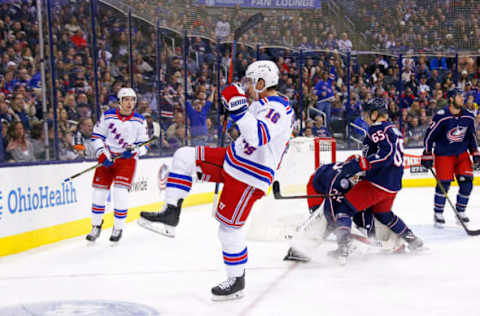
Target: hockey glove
[
  {"x": 354, "y": 165},
  {"x": 235, "y": 101},
  {"x": 427, "y": 160},
  {"x": 105, "y": 160},
  {"x": 476, "y": 159},
  {"x": 129, "y": 153}
]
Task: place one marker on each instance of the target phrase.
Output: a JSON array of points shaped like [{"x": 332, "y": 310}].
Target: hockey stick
[
  {"x": 278, "y": 195},
  {"x": 253, "y": 21},
  {"x": 99, "y": 164},
  {"x": 445, "y": 194}
]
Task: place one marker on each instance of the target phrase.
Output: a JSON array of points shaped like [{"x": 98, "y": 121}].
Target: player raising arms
[
  {"x": 383, "y": 179},
  {"x": 247, "y": 168},
  {"x": 450, "y": 136},
  {"x": 115, "y": 136}
]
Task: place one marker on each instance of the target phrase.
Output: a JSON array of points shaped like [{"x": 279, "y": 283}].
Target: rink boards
[{"x": 37, "y": 207}]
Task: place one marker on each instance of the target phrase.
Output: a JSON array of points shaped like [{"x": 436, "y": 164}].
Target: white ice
[{"x": 174, "y": 276}]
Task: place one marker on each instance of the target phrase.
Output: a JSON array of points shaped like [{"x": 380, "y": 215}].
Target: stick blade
[
  {"x": 276, "y": 190},
  {"x": 473, "y": 232}
]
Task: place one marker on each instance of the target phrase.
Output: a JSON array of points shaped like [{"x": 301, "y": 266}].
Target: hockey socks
[
  {"x": 465, "y": 188},
  {"x": 439, "y": 200},
  {"x": 99, "y": 197},
  {"x": 120, "y": 203},
  {"x": 180, "y": 179},
  {"x": 393, "y": 222}
]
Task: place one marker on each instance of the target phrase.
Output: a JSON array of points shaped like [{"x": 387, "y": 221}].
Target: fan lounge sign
[{"x": 273, "y": 4}]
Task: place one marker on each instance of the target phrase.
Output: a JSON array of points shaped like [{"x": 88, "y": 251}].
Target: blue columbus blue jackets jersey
[
  {"x": 451, "y": 135},
  {"x": 384, "y": 152}
]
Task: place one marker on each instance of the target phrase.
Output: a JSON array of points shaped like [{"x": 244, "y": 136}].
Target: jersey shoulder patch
[{"x": 441, "y": 112}]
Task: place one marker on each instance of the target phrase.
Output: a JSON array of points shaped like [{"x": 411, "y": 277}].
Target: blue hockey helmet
[
  {"x": 453, "y": 93},
  {"x": 379, "y": 105}
]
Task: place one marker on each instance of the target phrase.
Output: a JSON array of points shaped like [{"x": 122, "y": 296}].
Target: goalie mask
[{"x": 264, "y": 69}]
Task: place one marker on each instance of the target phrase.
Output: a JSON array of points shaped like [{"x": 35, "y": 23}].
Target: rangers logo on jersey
[{"x": 457, "y": 134}]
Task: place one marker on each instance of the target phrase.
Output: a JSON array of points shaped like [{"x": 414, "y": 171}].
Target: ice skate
[
  {"x": 95, "y": 232},
  {"x": 116, "y": 235},
  {"x": 438, "y": 220},
  {"x": 296, "y": 255},
  {"x": 230, "y": 289},
  {"x": 414, "y": 243},
  {"x": 163, "y": 222},
  {"x": 463, "y": 217}
]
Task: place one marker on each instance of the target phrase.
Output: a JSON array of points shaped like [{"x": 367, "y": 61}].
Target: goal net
[{"x": 275, "y": 219}]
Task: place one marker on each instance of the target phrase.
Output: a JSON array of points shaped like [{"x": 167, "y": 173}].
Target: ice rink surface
[{"x": 174, "y": 276}]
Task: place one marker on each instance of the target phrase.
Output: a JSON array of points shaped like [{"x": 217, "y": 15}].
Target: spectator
[
  {"x": 81, "y": 141},
  {"x": 325, "y": 93},
  {"x": 222, "y": 29},
  {"x": 197, "y": 115},
  {"x": 344, "y": 44},
  {"x": 38, "y": 141},
  {"x": 319, "y": 129},
  {"x": 178, "y": 139},
  {"x": 19, "y": 108},
  {"x": 415, "y": 133},
  {"x": 66, "y": 148},
  {"x": 19, "y": 147}
]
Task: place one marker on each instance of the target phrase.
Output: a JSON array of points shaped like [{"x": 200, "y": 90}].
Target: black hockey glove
[
  {"x": 476, "y": 159},
  {"x": 427, "y": 160}
]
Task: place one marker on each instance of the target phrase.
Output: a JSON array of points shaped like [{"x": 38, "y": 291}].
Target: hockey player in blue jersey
[
  {"x": 334, "y": 180},
  {"x": 450, "y": 137},
  {"x": 383, "y": 179}
]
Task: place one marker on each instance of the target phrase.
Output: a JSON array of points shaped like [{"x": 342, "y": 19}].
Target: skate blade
[
  {"x": 439, "y": 225},
  {"x": 91, "y": 242},
  {"x": 158, "y": 228},
  {"x": 114, "y": 243},
  {"x": 234, "y": 296}
]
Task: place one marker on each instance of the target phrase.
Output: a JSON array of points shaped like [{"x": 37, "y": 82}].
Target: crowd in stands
[
  {"x": 423, "y": 26},
  {"x": 190, "y": 115}
]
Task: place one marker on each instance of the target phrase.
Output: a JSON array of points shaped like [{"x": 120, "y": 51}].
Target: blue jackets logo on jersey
[{"x": 457, "y": 134}]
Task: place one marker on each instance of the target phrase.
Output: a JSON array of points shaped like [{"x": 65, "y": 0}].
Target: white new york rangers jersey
[
  {"x": 114, "y": 132},
  {"x": 264, "y": 133}
]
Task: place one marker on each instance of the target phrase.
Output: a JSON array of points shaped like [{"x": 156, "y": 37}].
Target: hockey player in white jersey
[
  {"x": 246, "y": 168},
  {"x": 115, "y": 137}
]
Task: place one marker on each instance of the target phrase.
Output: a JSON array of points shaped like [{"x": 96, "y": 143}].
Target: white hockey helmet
[
  {"x": 126, "y": 92},
  {"x": 263, "y": 69}
]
